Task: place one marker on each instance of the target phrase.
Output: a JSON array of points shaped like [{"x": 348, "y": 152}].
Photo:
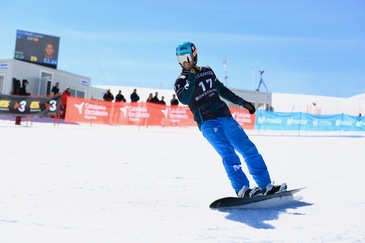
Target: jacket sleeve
[
  {"x": 227, "y": 94},
  {"x": 184, "y": 87}
]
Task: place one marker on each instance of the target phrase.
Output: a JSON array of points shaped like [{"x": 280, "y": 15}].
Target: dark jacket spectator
[
  {"x": 22, "y": 92},
  {"x": 174, "y": 101},
  {"x": 108, "y": 96},
  {"x": 23, "y": 89},
  {"x": 119, "y": 97},
  {"x": 155, "y": 99},
  {"x": 162, "y": 101},
  {"x": 134, "y": 96},
  {"x": 55, "y": 90}
]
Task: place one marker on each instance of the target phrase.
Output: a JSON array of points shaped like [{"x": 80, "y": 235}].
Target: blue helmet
[{"x": 186, "y": 52}]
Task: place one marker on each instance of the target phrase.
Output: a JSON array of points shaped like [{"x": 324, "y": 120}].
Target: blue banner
[{"x": 298, "y": 121}]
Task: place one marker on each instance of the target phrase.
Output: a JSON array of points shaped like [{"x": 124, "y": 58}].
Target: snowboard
[{"x": 236, "y": 202}]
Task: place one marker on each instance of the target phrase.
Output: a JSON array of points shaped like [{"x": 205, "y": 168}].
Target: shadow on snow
[{"x": 258, "y": 215}]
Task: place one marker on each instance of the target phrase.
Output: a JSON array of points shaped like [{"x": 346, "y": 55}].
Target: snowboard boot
[
  {"x": 271, "y": 189},
  {"x": 248, "y": 192}
]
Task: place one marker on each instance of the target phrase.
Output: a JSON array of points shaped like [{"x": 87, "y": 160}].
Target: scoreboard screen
[{"x": 37, "y": 48}]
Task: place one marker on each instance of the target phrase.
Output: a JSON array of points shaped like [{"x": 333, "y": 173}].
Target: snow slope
[{"x": 77, "y": 183}]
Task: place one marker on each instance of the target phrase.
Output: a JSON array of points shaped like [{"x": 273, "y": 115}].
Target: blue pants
[{"x": 226, "y": 136}]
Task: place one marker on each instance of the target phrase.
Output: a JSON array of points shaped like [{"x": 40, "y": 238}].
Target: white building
[{"x": 41, "y": 79}]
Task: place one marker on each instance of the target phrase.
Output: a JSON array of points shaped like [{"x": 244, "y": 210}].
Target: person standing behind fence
[
  {"x": 117, "y": 105},
  {"x": 174, "y": 101},
  {"x": 162, "y": 101},
  {"x": 155, "y": 99},
  {"x": 65, "y": 94},
  {"x": 108, "y": 96},
  {"x": 55, "y": 90},
  {"x": 134, "y": 96},
  {"x": 119, "y": 97},
  {"x": 22, "y": 92},
  {"x": 150, "y": 97}
]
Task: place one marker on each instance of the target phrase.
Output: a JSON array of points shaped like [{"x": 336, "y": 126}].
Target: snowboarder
[{"x": 200, "y": 89}]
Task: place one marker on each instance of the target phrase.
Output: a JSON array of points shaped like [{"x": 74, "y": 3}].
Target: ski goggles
[{"x": 185, "y": 58}]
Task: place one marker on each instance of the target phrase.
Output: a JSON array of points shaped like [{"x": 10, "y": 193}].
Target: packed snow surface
[{"x": 82, "y": 183}]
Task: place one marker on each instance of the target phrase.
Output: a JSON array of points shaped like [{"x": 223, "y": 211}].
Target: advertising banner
[
  {"x": 29, "y": 106},
  {"x": 150, "y": 114},
  {"x": 266, "y": 120},
  {"x": 139, "y": 113},
  {"x": 125, "y": 113}
]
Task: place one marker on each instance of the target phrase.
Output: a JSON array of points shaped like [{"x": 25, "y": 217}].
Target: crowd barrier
[
  {"x": 29, "y": 105},
  {"x": 305, "y": 122},
  {"x": 149, "y": 114},
  {"x": 138, "y": 113}
]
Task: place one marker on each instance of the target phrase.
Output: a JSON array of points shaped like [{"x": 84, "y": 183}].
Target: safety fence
[
  {"x": 304, "y": 122},
  {"x": 29, "y": 105},
  {"x": 138, "y": 113},
  {"x": 149, "y": 114}
]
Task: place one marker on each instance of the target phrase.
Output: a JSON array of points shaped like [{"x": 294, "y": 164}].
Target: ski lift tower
[{"x": 261, "y": 81}]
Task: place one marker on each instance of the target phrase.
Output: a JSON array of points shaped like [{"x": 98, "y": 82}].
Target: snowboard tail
[{"x": 236, "y": 202}]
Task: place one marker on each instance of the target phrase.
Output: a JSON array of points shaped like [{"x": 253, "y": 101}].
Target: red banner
[
  {"x": 244, "y": 118},
  {"x": 137, "y": 113}
]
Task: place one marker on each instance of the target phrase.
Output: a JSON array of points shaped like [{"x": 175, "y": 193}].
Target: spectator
[
  {"x": 119, "y": 97},
  {"x": 65, "y": 94},
  {"x": 155, "y": 99},
  {"x": 150, "y": 97},
  {"x": 55, "y": 89},
  {"x": 23, "y": 89},
  {"x": 117, "y": 105},
  {"x": 134, "y": 96},
  {"x": 162, "y": 101},
  {"x": 174, "y": 101},
  {"x": 22, "y": 92},
  {"x": 108, "y": 96}
]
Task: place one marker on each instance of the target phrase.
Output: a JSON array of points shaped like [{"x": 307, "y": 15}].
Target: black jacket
[
  {"x": 120, "y": 98},
  {"x": 23, "y": 91},
  {"x": 134, "y": 97},
  {"x": 108, "y": 96},
  {"x": 202, "y": 92}
]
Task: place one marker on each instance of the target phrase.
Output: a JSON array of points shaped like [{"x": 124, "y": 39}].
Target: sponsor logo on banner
[
  {"x": 244, "y": 118},
  {"x": 136, "y": 113},
  {"x": 4, "y": 105},
  {"x": 123, "y": 113},
  {"x": 91, "y": 111},
  {"x": 343, "y": 123},
  {"x": 292, "y": 121},
  {"x": 176, "y": 115}
]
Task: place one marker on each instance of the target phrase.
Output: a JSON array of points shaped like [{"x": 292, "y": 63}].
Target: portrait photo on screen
[{"x": 37, "y": 48}]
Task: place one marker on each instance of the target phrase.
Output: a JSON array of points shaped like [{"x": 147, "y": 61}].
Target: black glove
[
  {"x": 249, "y": 106},
  {"x": 195, "y": 69}
]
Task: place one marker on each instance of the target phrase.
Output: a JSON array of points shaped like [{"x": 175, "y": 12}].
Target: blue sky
[{"x": 305, "y": 47}]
